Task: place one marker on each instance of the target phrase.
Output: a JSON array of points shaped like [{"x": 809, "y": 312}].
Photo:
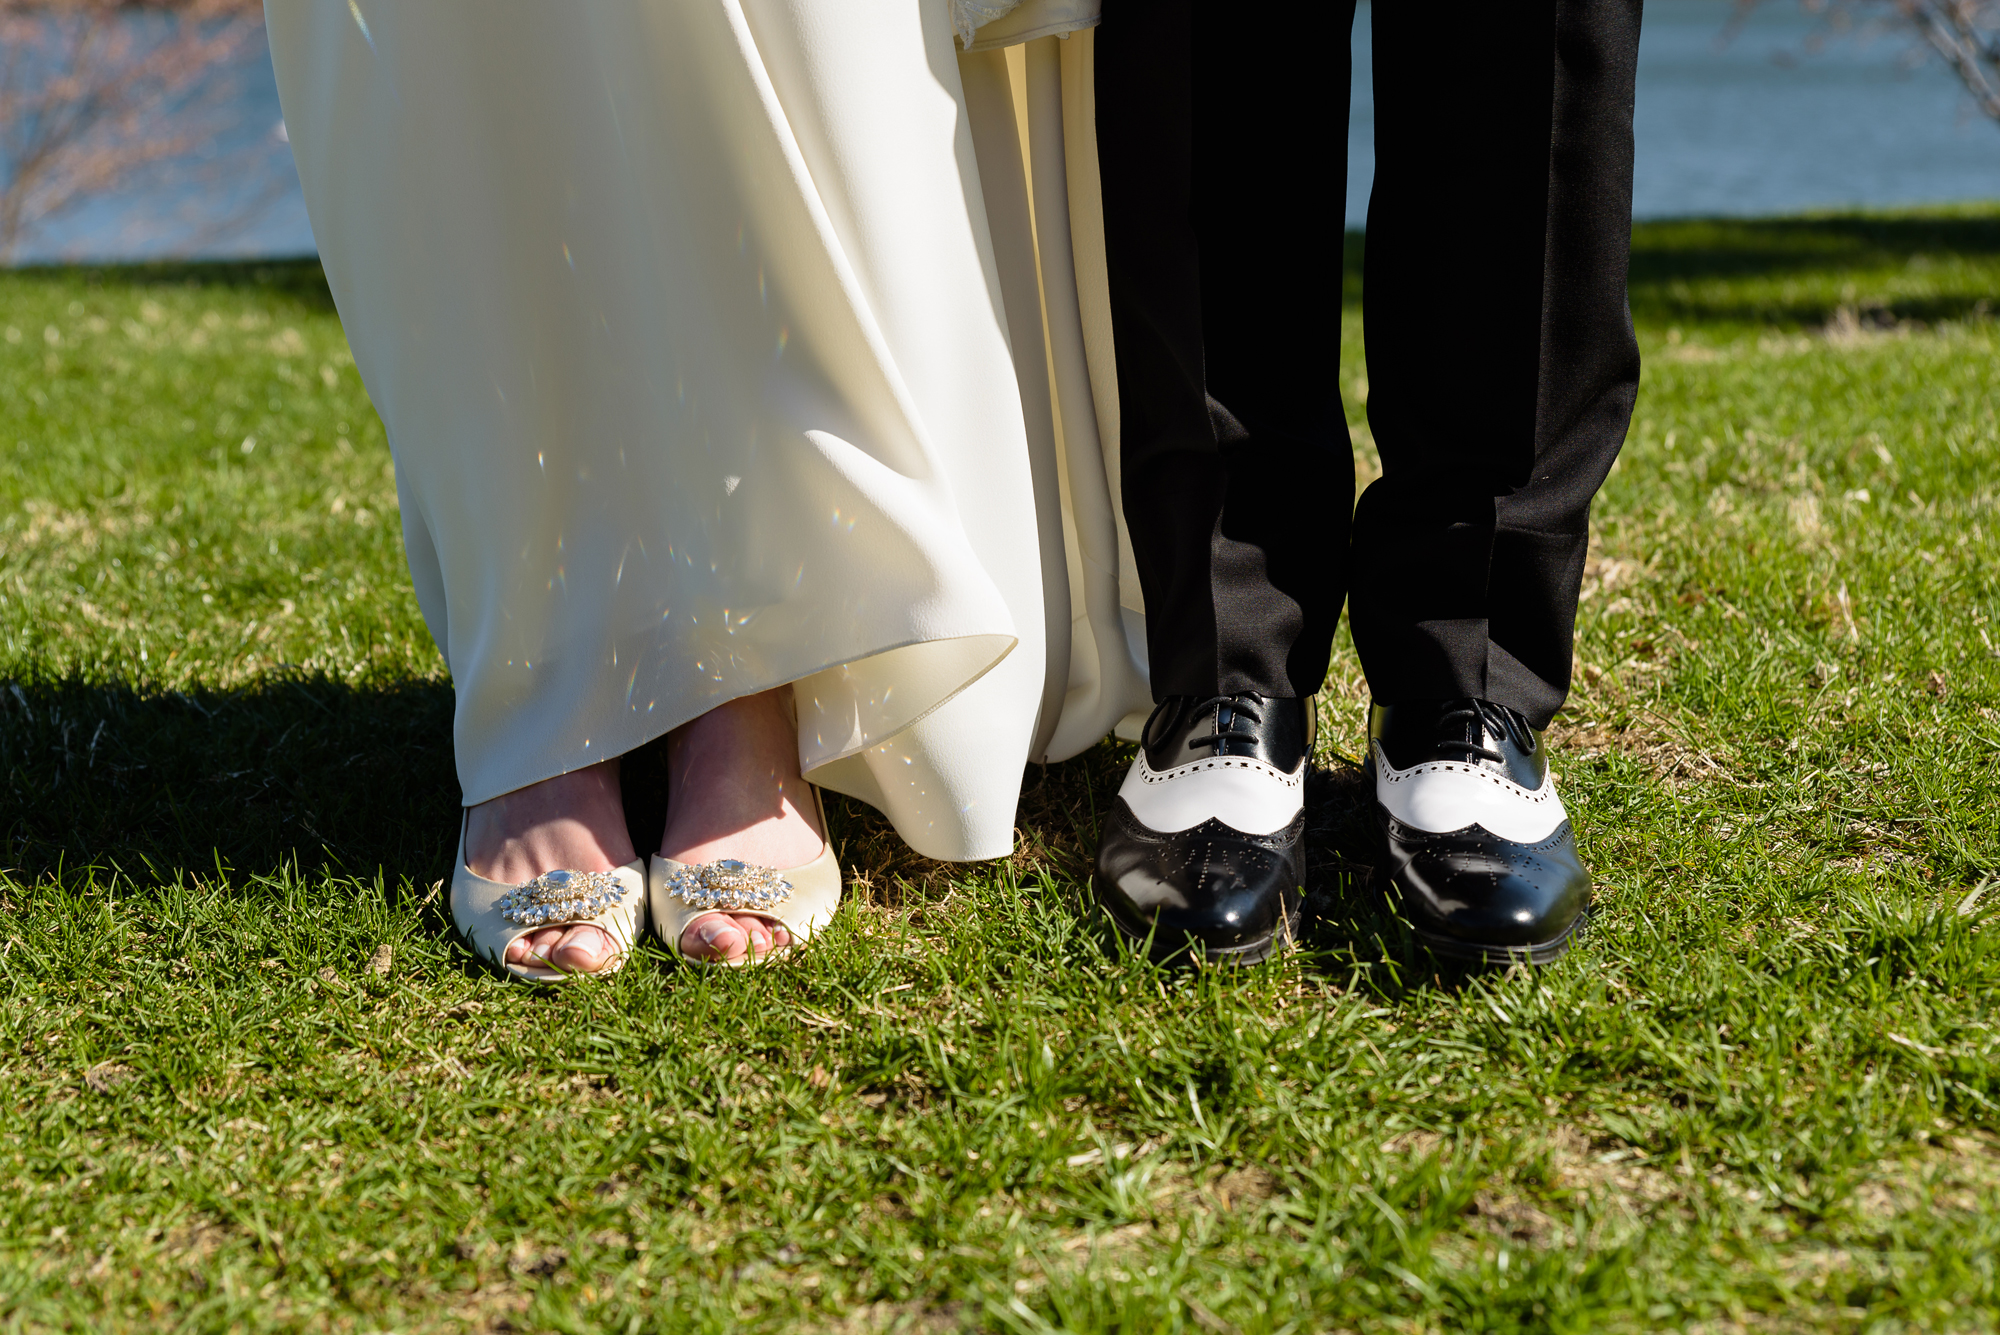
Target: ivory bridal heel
[
  {"x": 491, "y": 915},
  {"x": 800, "y": 899}
]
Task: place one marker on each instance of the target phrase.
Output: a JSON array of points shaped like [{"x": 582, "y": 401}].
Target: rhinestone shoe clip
[
  {"x": 729, "y": 884},
  {"x": 561, "y": 896}
]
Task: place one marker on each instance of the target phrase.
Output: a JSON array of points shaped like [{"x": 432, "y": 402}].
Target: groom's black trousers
[{"x": 1501, "y": 366}]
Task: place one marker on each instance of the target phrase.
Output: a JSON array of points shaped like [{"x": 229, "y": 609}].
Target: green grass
[{"x": 1764, "y": 1092}]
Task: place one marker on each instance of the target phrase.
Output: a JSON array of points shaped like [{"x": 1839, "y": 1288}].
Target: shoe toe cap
[
  {"x": 1472, "y": 886},
  {"x": 1220, "y": 887}
]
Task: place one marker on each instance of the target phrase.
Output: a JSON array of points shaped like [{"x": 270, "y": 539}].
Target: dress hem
[{"x": 650, "y": 734}]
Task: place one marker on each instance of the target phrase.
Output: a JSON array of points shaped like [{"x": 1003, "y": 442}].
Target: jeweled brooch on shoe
[
  {"x": 561, "y": 896},
  {"x": 729, "y": 884}
]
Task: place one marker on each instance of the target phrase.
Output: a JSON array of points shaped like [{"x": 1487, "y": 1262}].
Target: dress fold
[{"x": 697, "y": 330}]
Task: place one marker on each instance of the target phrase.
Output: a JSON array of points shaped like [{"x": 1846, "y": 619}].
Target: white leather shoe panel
[
  {"x": 1245, "y": 795},
  {"x": 1446, "y": 795}
]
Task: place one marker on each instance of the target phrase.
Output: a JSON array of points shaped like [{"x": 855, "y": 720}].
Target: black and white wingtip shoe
[
  {"x": 1202, "y": 855},
  {"x": 1481, "y": 857}
]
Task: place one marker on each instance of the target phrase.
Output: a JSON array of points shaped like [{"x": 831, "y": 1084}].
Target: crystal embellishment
[
  {"x": 560, "y": 897},
  {"x": 729, "y": 884}
]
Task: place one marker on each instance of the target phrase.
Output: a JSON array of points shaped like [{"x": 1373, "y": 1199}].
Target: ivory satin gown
[{"x": 729, "y": 343}]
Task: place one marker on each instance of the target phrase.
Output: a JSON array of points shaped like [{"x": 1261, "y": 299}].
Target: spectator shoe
[
  {"x": 1480, "y": 856},
  {"x": 1201, "y": 856}
]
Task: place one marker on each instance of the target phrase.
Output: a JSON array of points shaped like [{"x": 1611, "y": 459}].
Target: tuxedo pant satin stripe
[
  {"x": 1220, "y": 146},
  {"x": 1501, "y": 362}
]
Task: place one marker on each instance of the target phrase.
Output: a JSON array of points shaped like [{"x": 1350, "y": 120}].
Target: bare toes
[
  {"x": 534, "y": 948},
  {"x": 765, "y": 936},
  {"x": 716, "y": 937},
  {"x": 584, "y": 949}
]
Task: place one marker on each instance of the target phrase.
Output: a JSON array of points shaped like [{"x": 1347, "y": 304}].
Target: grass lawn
[{"x": 257, "y": 1085}]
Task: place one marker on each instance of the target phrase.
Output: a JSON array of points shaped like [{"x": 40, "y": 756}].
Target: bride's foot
[
  {"x": 734, "y": 791},
  {"x": 574, "y": 821}
]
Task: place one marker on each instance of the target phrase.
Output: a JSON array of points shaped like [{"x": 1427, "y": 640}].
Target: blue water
[
  {"x": 243, "y": 180},
  {"x": 1759, "y": 125}
]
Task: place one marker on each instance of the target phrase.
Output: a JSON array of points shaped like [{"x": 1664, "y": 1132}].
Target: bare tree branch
[
  {"x": 97, "y": 95},
  {"x": 1965, "y": 34}
]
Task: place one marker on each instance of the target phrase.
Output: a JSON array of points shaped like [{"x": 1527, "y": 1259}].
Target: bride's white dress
[{"x": 729, "y": 343}]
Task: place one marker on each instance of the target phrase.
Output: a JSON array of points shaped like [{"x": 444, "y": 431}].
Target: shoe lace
[
  {"x": 1237, "y": 709},
  {"x": 1488, "y": 716}
]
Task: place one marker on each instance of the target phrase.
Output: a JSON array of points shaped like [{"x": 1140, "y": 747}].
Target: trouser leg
[
  {"x": 1221, "y": 143},
  {"x": 1501, "y": 362}
]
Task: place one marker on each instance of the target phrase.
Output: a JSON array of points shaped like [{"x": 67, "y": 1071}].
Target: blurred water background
[
  {"x": 1758, "y": 126},
  {"x": 1754, "y": 126}
]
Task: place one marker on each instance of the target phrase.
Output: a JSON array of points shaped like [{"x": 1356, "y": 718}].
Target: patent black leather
[
  {"x": 1469, "y": 893},
  {"x": 1187, "y": 728},
  {"x": 1209, "y": 892},
  {"x": 1415, "y": 734}
]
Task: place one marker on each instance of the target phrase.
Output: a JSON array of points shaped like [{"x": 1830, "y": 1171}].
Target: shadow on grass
[
  {"x": 302, "y": 279},
  {"x": 1669, "y": 258},
  {"x": 301, "y": 770},
  {"x": 1347, "y": 930},
  {"x": 1665, "y": 253},
  {"x": 1672, "y": 256},
  {"x": 307, "y": 772}
]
